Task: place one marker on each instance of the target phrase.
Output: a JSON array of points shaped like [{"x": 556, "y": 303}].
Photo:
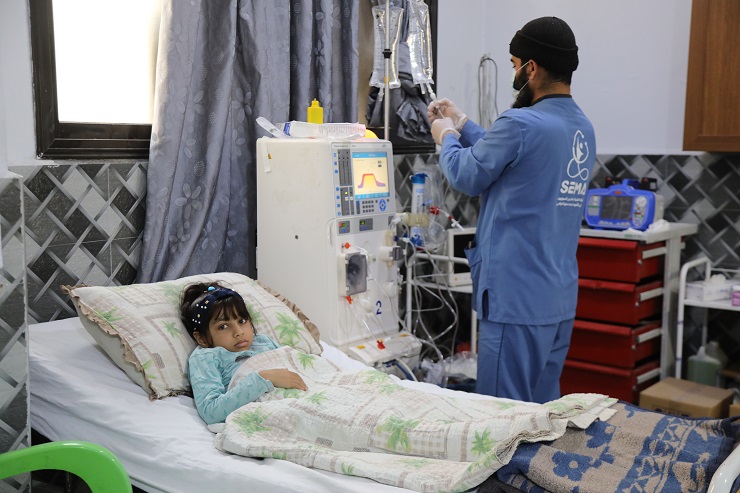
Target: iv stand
[{"x": 386, "y": 80}]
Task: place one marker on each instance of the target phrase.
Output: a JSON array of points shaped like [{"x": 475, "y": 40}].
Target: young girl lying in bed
[{"x": 217, "y": 318}]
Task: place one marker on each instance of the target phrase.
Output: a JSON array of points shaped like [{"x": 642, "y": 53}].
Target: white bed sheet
[{"x": 77, "y": 393}]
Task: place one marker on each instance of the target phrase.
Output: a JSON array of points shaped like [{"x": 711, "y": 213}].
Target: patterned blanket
[
  {"x": 636, "y": 451},
  {"x": 364, "y": 423}
]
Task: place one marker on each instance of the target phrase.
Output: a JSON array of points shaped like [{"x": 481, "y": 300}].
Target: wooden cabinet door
[{"x": 712, "y": 119}]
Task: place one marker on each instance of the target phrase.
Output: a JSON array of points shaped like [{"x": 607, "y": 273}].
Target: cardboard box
[
  {"x": 685, "y": 398},
  {"x": 734, "y": 409}
]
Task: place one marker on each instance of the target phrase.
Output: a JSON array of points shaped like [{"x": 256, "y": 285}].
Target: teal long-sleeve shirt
[{"x": 210, "y": 371}]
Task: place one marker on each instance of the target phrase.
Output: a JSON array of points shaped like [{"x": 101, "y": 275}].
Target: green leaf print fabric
[{"x": 363, "y": 423}]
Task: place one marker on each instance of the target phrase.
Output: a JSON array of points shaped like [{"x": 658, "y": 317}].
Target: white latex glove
[
  {"x": 441, "y": 127},
  {"x": 444, "y": 108}
]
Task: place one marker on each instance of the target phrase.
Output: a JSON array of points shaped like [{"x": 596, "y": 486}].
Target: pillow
[{"x": 138, "y": 326}]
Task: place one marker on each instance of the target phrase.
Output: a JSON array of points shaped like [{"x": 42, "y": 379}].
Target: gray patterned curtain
[{"x": 221, "y": 64}]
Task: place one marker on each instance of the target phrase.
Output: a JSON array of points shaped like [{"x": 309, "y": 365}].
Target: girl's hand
[{"x": 284, "y": 378}]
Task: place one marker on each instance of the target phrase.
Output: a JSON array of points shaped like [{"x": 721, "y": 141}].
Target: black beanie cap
[{"x": 549, "y": 41}]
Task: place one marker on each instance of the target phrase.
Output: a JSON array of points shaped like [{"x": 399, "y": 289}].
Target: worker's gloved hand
[
  {"x": 441, "y": 127},
  {"x": 444, "y": 108}
]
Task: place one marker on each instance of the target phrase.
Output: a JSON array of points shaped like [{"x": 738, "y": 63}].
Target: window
[
  {"x": 65, "y": 126},
  {"x": 63, "y": 133}
]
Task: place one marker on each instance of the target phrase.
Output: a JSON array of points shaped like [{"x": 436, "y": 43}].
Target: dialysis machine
[{"x": 323, "y": 241}]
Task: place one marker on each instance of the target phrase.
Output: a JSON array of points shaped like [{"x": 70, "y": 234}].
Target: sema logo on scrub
[{"x": 574, "y": 170}]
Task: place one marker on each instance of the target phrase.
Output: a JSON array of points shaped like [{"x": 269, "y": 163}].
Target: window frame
[{"x": 72, "y": 140}]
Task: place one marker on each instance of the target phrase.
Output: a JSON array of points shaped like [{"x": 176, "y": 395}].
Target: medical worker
[{"x": 531, "y": 169}]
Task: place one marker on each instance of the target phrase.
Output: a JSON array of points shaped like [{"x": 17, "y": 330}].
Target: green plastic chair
[{"x": 95, "y": 465}]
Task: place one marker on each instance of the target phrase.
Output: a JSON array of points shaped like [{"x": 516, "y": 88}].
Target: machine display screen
[
  {"x": 616, "y": 207},
  {"x": 370, "y": 175}
]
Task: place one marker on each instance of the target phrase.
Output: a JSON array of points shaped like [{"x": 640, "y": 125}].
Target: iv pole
[{"x": 386, "y": 80}]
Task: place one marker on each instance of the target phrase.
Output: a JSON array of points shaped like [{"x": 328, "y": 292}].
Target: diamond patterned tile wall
[
  {"x": 84, "y": 223},
  {"x": 14, "y": 428},
  {"x": 704, "y": 190}
]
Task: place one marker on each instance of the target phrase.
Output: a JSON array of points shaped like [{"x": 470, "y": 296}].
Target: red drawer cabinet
[
  {"x": 619, "y": 260},
  {"x": 618, "y": 302},
  {"x": 626, "y": 312},
  {"x": 622, "y": 383},
  {"x": 616, "y": 345},
  {"x": 615, "y": 348}
]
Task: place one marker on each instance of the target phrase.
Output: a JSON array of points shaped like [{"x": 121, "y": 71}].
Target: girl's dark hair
[{"x": 231, "y": 306}]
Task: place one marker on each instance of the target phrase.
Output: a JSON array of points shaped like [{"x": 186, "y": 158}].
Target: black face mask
[
  {"x": 520, "y": 78},
  {"x": 526, "y": 95}
]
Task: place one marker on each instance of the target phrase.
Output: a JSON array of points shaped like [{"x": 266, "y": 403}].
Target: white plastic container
[
  {"x": 703, "y": 368},
  {"x": 712, "y": 349},
  {"x": 331, "y": 131}
]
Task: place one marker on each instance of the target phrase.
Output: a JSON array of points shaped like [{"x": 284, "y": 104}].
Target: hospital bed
[{"x": 77, "y": 393}]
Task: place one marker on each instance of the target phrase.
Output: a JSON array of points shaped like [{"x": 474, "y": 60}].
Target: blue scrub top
[{"x": 532, "y": 170}]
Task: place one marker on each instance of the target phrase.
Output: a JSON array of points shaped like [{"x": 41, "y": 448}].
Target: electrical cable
[
  {"x": 487, "y": 104},
  {"x": 404, "y": 369},
  {"x": 454, "y": 310},
  {"x": 436, "y": 349},
  {"x": 441, "y": 297}
]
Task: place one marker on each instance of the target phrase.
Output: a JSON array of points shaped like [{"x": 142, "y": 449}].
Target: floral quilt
[{"x": 363, "y": 423}]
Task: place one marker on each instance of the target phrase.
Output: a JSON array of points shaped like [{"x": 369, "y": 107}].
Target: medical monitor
[
  {"x": 616, "y": 207},
  {"x": 370, "y": 175}
]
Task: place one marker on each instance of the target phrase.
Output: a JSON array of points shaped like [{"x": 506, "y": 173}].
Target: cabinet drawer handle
[
  {"x": 651, "y": 334},
  {"x": 648, "y": 375},
  {"x": 655, "y": 252},
  {"x": 653, "y": 293}
]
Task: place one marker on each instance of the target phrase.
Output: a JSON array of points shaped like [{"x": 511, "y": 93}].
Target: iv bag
[
  {"x": 419, "y": 40},
  {"x": 377, "y": 78}
]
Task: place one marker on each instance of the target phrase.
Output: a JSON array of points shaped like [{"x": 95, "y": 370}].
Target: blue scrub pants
[{"x": 522, "y": 362}]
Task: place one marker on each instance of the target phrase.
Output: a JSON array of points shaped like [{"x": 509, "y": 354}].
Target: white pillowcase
[{"x": 139, "y": 326}]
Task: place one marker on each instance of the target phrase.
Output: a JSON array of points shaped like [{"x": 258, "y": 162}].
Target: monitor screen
[
  {"x": 616, "y": 207},
  {"x": 370, "y": 175}
]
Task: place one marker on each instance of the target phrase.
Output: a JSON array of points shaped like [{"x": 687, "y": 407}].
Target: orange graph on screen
[{"x": 378, "y": 184}]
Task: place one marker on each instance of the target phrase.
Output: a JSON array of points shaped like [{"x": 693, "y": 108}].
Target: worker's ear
[
  {"x": 202, "y": 342},
  {"x": 534, "y": 69}
]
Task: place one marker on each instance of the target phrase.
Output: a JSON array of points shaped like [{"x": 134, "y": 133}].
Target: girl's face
[{"x": 229, "y": 332}]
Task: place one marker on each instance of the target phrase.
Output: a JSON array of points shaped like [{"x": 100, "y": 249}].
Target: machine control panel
[
  {"x": 362, "y": 183},
  {"x": 361, "y": 224}
]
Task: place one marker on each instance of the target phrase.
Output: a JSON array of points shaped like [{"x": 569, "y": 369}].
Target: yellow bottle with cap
[{"x": 315, "y": 113}]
